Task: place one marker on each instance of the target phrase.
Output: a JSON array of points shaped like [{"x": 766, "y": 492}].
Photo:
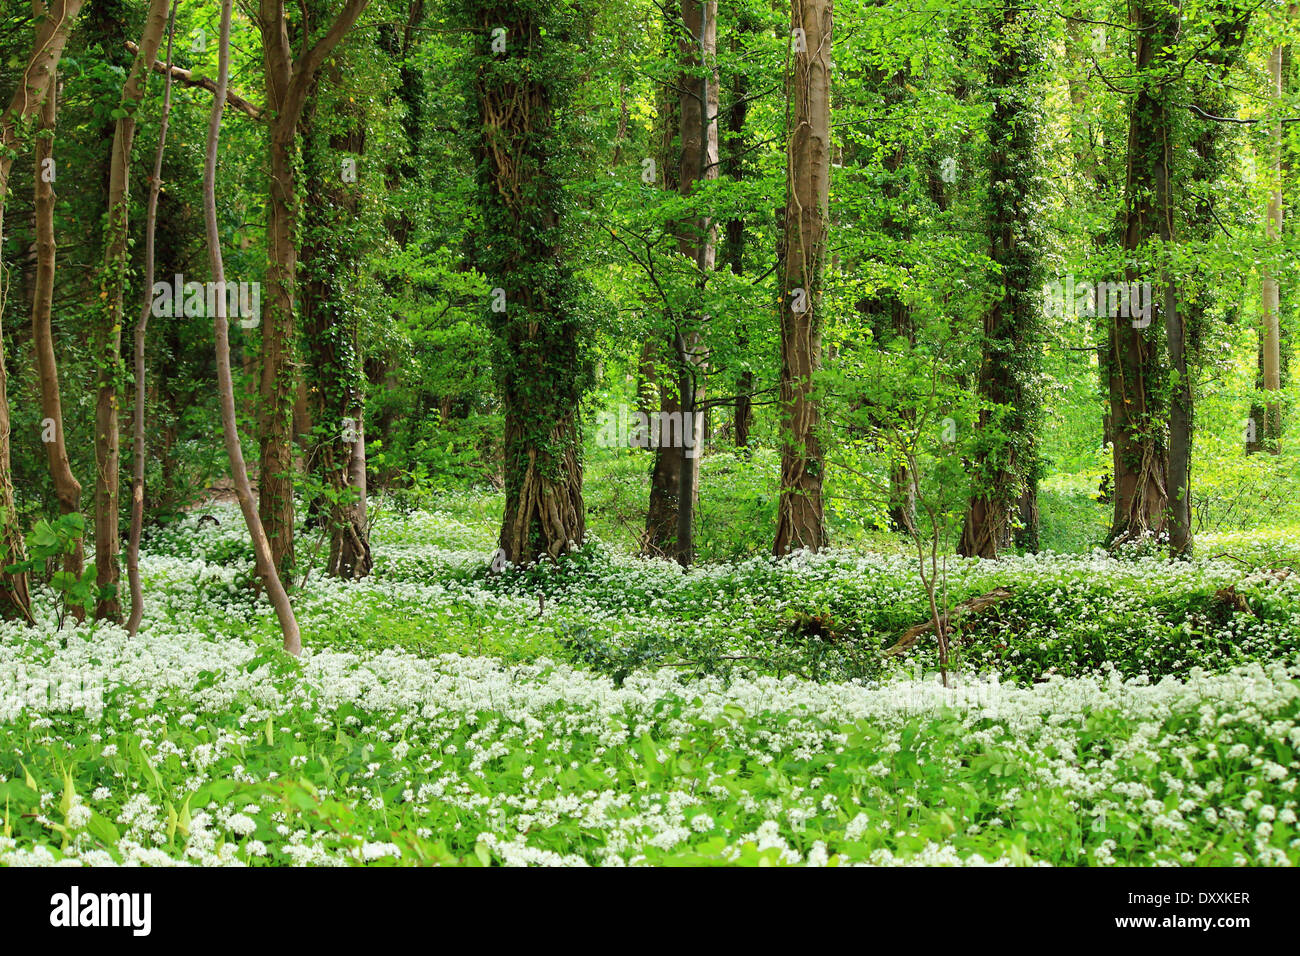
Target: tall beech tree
[
  {"x": 801, "y": 520},
  {"x": 1136, "y": 372},
  {"x": 1003, "y": 466},
  {"x": 289, "y": 79},
  {"x": 53, "y": 27},
  {"x": 108, "y": 335},
  {"x": 521, "y": 75}
]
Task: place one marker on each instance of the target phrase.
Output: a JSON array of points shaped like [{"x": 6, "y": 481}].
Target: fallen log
[{"x": 972, "y": 605}]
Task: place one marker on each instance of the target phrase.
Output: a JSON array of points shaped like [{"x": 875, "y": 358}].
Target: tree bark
[
  {"x": 1134, "y": 371},
  {"x": 266, "y": 567},
  {"x": 524, "y": 152},
  {"x": 331, "y": 269},
  {"x": 743, "y": 415},
  {"x": 1003, "y": 462},
  {"x": 287, "y": 83},
  {"x": 37, "y": 80},
  {"x": 801, "y": 520},
  {"x": 1271, "y": 344},
  {"x": 108, "y": 337},
  {"x": 138, "y": 446},
  {"x": 66, "y": 487},
  {"x": 675, "y": 481}
]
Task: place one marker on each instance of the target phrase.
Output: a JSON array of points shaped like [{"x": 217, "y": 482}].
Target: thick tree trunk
[
  {"x": 1003, "y": 466},
  {"x": 1135, "y": 374},
  {"x": 108, "y": 338},
  {"x": 266, "y": 568},
  {"x": 53, "y": 26},
  {"x": 331, "y": 265},
  {"x": 801, "y": 521},
  {"x": 66, "y": 487},
  {"x": 288, "y": 81},
  {"x": 523, "y": 148},
  {"x": 1209, "y": 159},
  {"x": 279, "y": 375}
]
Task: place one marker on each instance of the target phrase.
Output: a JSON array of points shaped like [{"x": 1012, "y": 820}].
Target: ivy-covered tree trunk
[
  {"x": 1136, "y": 373},
  {"x": 1003, "y": 462},
  {"x": 108, "y": 337},
  {"x": 333, "y": 137},
  {"x": 1209, "y": 154},
  {"x": 521, "y": 77},
  {"x": 801, "y": 521},
  {"x": 53, "y": 26},
  {"x": 288, "y": 79}
]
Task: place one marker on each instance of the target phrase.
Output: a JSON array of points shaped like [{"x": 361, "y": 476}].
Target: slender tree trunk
[
  {"x": 225, "y": 383},
  {"x": 141, "y": 327},
  {"x": 1271, "y": 343},
  {"x": 697, "y": 240},
  {"x": 1004, "y": 464},
  {"x": 743, "y": 418},
  {"x": 660, "y": 537},
  {"x": 1136, "y": 376},
  {"x": 675, "y": 480},
  {"x": 53, "y": 26},
  {"x": 66, "y": 487},
  {"x": 801, "y": 521},
  {"x": 108, "y": 338}
]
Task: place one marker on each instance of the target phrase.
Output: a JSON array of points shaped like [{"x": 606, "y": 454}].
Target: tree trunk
[
  {"x": 675, "y": 480},
  {"x": 288, "y": 81},
  {"x": 108, "y": 337},
  {"x": 697, "y": 240},
  {"x": 1271, "y": 344},
  {"x": 138, "y": 445},
  {"x": 66, "y": 487},
  {"x": 521, "y": 92},
  {"x": 37, "y": 80},
  {"x": 1209, "y": 160},
  {"x": 743, "y": 417},
  {"x": 1135, "y": 374},
  {"x": 331, "y": 267},
  {"x": 266, "y": 567},
  {"x": 1003, "y": 466},
  {"x": 801, "y": 521}
]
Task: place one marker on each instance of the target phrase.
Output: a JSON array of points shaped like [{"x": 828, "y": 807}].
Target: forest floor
[{"x": 622, "y": 711}]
